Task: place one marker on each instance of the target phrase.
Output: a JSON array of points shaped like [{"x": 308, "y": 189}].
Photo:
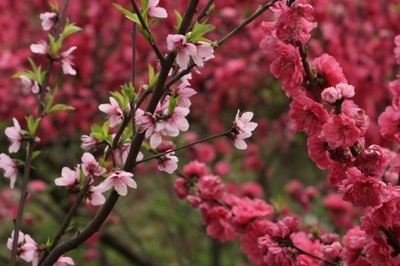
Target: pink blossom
[
  {"x": 387, "y": 214},
  {"x": 66, "y": 61},
  {"x": 346, "y": 90},
  {"x": 31, "y": 250},
  {"x": 222, "y": 168},
  {"x": 48, "y": 20},
  {"x": 218, "y": 224},
  {"x": 161, "y": 123},
  {"x": 378, "y": 252},
  {"x": 40, "y": 48},
  {"x": 210, "y": 187},
  {"x": 243, "y": 128},
  {"x": 288, "y": 68},
  {"x": 329, "y": 69},
  {"x": 249, "y": 244},
  {"x": 184, "y": 91},
  {"x": 247, "y": 210},
  {"x": 63, "y": 261},
  {"x": 113, "y": 111},
  {"x": 337, "y": 172},
  {"x": 195, "y": 170},
  {"x": 371, "y": 161},
  {"x": 120, "y": 180},
  {"x": 69, "y": 178},
  {"x": 273, "y": 253},
  {"x": 293, "y": 23},
  {"x": 20, "y": 241},
  {"x": 354, "y": 242},
  {"x": 10, "y": 168},
  {"x": 362, "y": 121},
  {"x": 389, "y": 121},
  {"x": 340, "y": 211},
  {"x": 331, "y": 95},
  {"x": 29, "y": 85},
  {"x": 173, "y": 123},
  {"x": 205, "y": 52},
  {"x": 178, "y": 44},
  {"x": 155, "y": 11},
  {"x": 89, "y": 142},
  {"x": 181, "y": 187},
  {"x": 333, "y": 252},
  {"x": 168, "y": 163},
  {"x": 284, "y": 227},
  {"x": 27, "y": 248},
  {"x": 362, "y": 190},
  {"x": 14, "y": 136},
  {"x": 90, "y": 166},
  {"x": 94, "y": 196},
  {"x": 317, "y": 151},
  {"x": 307, "y": 115},
  {"x": 340, "y": 131}
]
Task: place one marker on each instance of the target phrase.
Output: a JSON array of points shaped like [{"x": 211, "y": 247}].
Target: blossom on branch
[
  {"x": 94, "y": 196},
  {"x": 90, "y": 166},
  {"x": 113, "y": 111},
  {"x": 63, "y": 261},
  {"x": 120, "y": 180},
  {"x": 155, "y": 11},
  {"x": 183, "y": 49},
  {"x": 28, "y": 249},
  {"x": 242, "y": 129},
  {"x": 48, "y": 20},
  {"x": 29, "y": 85},
  {"x": 168, "y": 163},
  {"x": 10, "y": 168},
  {"x": 205, "y": 52},
  {"x": 66, "y": 61},
  {"x": 40, "y": 48},
  {"x": 69, "y": 178},
  {"x": 14, "y": 136}
]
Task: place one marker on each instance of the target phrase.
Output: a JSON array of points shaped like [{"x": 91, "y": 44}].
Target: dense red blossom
[{"x": 307, "y": 115}]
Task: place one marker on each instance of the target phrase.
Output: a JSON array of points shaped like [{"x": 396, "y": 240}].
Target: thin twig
[
  {"x": 31, "y": 145},
  {"x": 183, "y": 147},
  {"x": 147, "y": 30},
  {"x": 309, "y": 75}
]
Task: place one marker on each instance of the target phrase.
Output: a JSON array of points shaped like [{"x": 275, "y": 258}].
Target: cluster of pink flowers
[
  {"x": 336, "y": 128},
  {"x": 29, "y": 250},
  {"x": 199, "y": 51},
  {"x": 91, "y": 170}
]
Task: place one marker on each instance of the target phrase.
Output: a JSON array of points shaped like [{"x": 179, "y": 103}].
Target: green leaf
[
  {"x": 145, "y": 9},
  {"x": 198, "y": 31},
  {"x": 54, "y": 45},
  {"x": 131, "y": 16},
  {"x": 59, "y": 107},
  {"x": 178, "y": 17},
  {"x": 70, "y": 29},
  {"x": 121, "y": 98},
  {"x": 49, "y": 243},
  {"x": 172, "y": 104},
  {"x": 145, "y": 5},
  {"x": 152, "y": 78},
  {"x": 54, "y": 7},
  {"x": 129, "y": 90},
  {"x": 32, "y": 124},
  {"x": 35, "y": 154}
]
